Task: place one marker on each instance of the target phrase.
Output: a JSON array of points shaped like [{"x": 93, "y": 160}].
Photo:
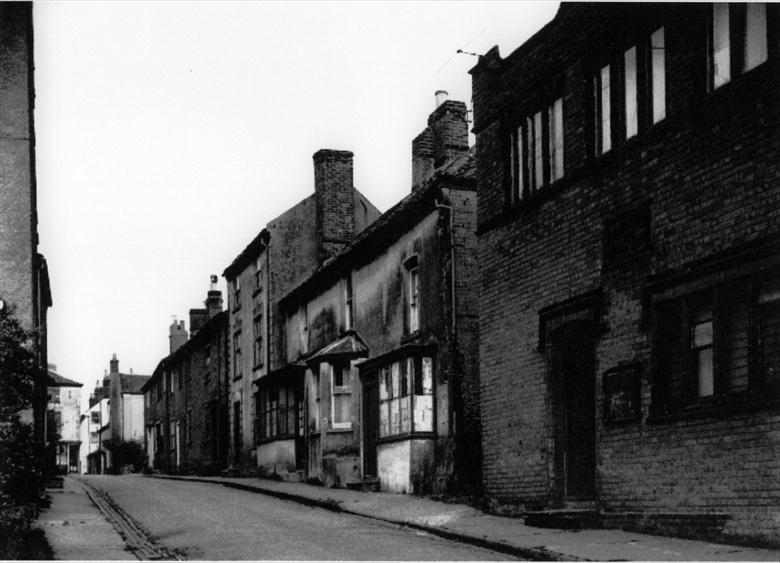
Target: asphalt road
[{"x": 207, "y": 521}]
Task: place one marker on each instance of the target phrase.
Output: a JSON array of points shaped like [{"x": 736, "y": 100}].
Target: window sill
[
  {"x": 258, "y": 367},
  {"x": 278, "y": 438},
  {"x": 406, "y": 436},
  {"x": 235, "y": 309},
  {"x": 718, "y": 406},
  {"x": 340, "y": 429},
  {"x": 411, "y": 337},
  {"x": 257, "y": 292},
  {"x": 237, "y": 377}
]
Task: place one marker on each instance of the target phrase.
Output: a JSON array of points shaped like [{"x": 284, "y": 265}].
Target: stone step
[{"x": 564, "y": 519}]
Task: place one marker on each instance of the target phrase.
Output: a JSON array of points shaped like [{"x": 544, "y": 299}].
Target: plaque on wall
[{"x": 622, "y": 396}]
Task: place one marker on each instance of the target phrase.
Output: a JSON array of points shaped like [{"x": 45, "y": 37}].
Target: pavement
[
  {"x": 506, "y": 535},
  {"x": 77, "y": 530}
]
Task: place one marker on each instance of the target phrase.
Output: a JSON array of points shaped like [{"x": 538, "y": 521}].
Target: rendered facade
[{"x": 289, "y": 249}]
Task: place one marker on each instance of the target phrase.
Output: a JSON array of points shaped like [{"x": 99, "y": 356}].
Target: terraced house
[
  {"x": 289, "y": 249},
  {"x": 629, "y": 229},
  {"x": 383, "y": 340},
  {"x": 186, "y": 400}
]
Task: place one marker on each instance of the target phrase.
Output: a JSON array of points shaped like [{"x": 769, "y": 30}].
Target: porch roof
[{"x": 349, "y": 345}]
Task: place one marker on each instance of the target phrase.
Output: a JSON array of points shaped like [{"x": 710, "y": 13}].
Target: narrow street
[{"x": 206, "y": 521}]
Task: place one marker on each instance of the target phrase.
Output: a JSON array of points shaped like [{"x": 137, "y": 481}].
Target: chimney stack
[
  {"x": 114, "y": 363},
  {"x": 213, "y": 299},
  {"x": 445, "y": 138},
  {"x": 178, "y": 335},
  {"x": 335, "y": 196}
]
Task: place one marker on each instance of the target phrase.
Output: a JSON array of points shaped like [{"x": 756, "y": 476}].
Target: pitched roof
[
  {"x": 56, "y": 380},
  {"x": 350, "y": 345},
  {"x": 132, "y": 383},
  {"x": 392, "y": 224}
]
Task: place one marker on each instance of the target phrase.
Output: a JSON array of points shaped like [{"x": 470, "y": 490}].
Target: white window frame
[{"x": 341, "y": 390}]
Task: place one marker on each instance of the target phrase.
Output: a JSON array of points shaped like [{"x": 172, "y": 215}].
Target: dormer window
[{"x": 536, "y": 151}]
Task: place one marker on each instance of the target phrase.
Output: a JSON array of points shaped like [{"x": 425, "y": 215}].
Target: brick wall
[{"x": 709, "y": 175}]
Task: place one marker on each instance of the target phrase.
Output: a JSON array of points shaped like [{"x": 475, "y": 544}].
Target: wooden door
[
  {"x": 573, "y": 378},
  {"x": 370, "y": 424}
]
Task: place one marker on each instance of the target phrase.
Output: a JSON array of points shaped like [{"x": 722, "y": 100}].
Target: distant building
[
  {"x": 290, "y": 248},
  {"x": 120, "y": 403},
  {"x": 629, "y": 236},
  {"x": 382, "y": 340},
  {"x": 63, "y": 413},
  {"x": 186, "y": 398},
  {"x": 24, "y": 278}
]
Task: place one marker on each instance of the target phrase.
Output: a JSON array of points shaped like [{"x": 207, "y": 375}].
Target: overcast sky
[{"x": 170, "y": 133}]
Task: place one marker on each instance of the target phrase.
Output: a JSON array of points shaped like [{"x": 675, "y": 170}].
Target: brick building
[
  {"x": 24, "y": 278},
  {"x": 186, "y": 398},
  {"x": 384, "y": 339},
  {"x": 629, "y": 229},
  {"x": 285, "y": 252}
]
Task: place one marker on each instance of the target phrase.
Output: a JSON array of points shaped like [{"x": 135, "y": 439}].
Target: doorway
[
  {"x": 573, "y": 381},
  {"x": 371, "y": 424}
]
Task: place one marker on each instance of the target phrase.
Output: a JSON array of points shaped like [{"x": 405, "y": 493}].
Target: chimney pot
[{"x": 441, "y": 97}]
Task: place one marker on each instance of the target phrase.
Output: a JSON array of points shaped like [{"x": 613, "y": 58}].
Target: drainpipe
[{"x": 454, "y": 322}]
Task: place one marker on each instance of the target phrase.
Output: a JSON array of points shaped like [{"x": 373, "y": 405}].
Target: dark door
[
  {"x": 371, "y": 424},
  {"x": 300, "y": 427},
  {"x": 238, "y": 446},
  {"x": 573, "y": 379}
]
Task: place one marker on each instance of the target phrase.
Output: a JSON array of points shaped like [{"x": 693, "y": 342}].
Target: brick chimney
[
  {"x": 114, "y": 364},
  {"x": 178, "y": 335},
  {"x": 445, "y": 138},
  {"x": 213, "y": 299},
  {"x": 335, "y": 197}
]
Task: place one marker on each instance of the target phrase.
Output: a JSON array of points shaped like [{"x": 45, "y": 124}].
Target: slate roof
[
  {"x": 132, "y": 383},
  {"x": 391, "y": 225},
  {"x": 350, "y": 345},
  {"x": 56, "y": 380}
]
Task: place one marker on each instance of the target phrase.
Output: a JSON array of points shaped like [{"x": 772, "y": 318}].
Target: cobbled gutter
[{"x": 139, "y": 541}]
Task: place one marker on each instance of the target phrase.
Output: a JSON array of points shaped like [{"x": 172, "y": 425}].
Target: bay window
[{"x": 406, "y": 397}]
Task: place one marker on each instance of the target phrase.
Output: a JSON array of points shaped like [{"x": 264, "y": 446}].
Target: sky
[{"x": 169, "y": 133}]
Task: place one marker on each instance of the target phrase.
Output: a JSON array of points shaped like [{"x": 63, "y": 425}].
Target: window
[
  {"x": 95, "y": 417},
  {"x": 737, "y": 40},
  {"x": 237, "y": 354},
  {"x": 406, "y": 397},
  {"x": 536, "y": 151},
  {"x": 276, "y": 412},
  {"x": 172, "y": 430},
  {"x": 603, "y": 100},
  {"x": 237, "y": 294},
  {"x": 341, "y": 395},
  {"x": 768, "y": 312},
  {"x": 413, "y": 295},
  {"x": 257, "y": 351},
  {"x": 188, "y": 427},
  {"x": 629, "y": 92},
  {"x": 348, "y": 303},
  {"x": 706, "y": 342},
  {"x": 258, "y": 276},
  {"x": 658, "y": 74},
  {"x": 93, "y": 437}
]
